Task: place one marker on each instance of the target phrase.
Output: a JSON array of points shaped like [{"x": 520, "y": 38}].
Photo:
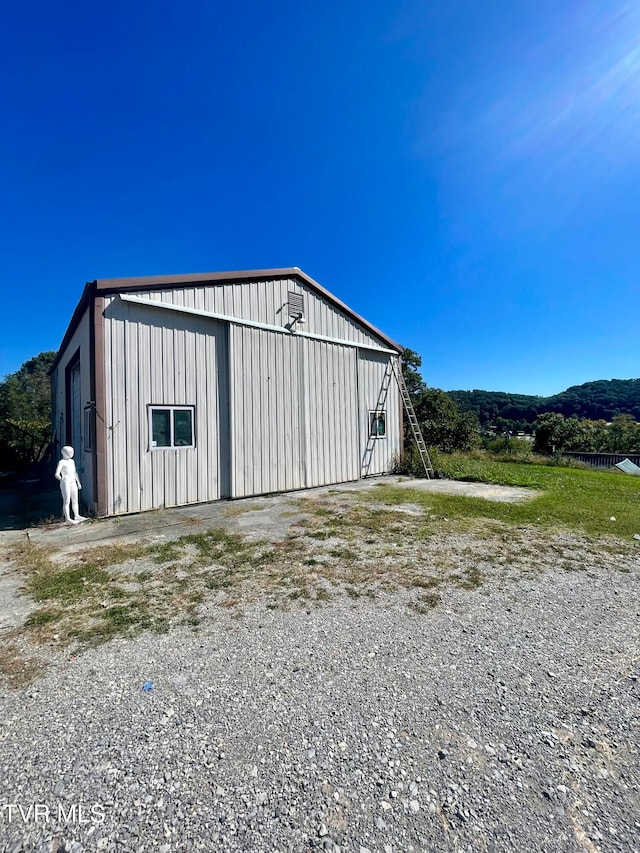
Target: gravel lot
[{"x": 506, "y": 718}]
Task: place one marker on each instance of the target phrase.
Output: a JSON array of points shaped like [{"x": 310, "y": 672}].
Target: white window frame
[
  {"x": 171, "y": 409},
  {"x": 377, "y": 413}
]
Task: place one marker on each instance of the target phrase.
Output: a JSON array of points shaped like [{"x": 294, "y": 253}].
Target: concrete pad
[
  {"x": 255, "y": 516},
  {"x": 488, "y": 491},
  {"x": 251, "y": 515}
]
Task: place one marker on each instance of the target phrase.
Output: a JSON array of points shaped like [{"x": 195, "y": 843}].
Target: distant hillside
[{"x": 599, "y": 400}]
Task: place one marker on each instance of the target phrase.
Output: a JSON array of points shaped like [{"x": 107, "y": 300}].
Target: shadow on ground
[{"x": 26, "y": 502}]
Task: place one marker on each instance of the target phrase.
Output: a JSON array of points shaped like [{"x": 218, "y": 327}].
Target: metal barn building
[{"x": 183, "y": 389}]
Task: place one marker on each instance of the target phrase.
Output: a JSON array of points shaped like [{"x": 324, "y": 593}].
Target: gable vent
[{"x": 296, "y": 305}]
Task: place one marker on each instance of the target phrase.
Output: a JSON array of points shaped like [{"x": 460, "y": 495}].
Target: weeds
[{"x": 362, "y": 545}]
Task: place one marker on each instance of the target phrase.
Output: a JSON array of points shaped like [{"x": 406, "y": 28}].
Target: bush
[
  {"x": 409, "y": 464},
  {"x": 560, "y": 461},
  {"x": 513, "y": 449}
]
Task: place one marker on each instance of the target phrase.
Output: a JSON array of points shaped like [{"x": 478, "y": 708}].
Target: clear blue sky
[{"x": 465, "y": 175}]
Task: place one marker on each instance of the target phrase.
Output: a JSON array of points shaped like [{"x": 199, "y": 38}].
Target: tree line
[
  {"x": 554, "y": 434},
  {"x": 601, "y": 400}
]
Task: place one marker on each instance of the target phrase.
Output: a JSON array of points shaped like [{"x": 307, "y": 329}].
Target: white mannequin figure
[{"x": 69, "y": 485}]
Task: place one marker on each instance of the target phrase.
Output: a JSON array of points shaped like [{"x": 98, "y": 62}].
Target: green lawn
[{"x": 581, "y": 500}]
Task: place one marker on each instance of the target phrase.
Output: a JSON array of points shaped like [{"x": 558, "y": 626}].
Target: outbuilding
[{"x": 182, "y": 389}]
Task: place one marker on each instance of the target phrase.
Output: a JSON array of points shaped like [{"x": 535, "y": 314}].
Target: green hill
[{"x": 599, "y": 400}]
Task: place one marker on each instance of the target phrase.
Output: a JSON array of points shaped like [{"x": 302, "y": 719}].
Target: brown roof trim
[
  {"x": 157, "y": 282},
  {"x": 160, "y": 282},
  {"x": 77, "y": 315},
  {"x": 105, "y": 286}
]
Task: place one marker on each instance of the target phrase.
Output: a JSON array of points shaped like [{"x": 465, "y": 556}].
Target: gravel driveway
[{"x": 507, "y": 718}]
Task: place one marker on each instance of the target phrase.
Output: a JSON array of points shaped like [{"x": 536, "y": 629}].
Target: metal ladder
[
  {"x": 380, "y": 406},
  {"x": 413, "y": 420},
  {"x": 392, "y": 371}
]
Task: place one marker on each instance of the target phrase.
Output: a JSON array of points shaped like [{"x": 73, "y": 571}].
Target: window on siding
[
  {"x": 88, "y": 427},
  {"x": 378, "y": 424},
  {"x": 171, "y": 426}
]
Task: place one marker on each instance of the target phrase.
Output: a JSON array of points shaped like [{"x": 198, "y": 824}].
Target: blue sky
[{"x": 465, "y": 175}]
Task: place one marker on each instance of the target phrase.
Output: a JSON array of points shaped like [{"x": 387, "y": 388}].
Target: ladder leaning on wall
[
  {"x": 393, "y": 371},
  {"x": 413, "y": 420}
]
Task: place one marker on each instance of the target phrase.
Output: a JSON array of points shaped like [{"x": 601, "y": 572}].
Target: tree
[
  {"x": 416, "y": 386},
  {"x": 443, "y": 425},
  {"x": 555, "y": 433},
  {"x": 624, "y": 435},
  {"x": 25, "y": 412}
]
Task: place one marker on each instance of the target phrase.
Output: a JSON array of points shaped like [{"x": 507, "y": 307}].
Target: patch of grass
[
  {"x": 426, "y": 582},
  {"x": 263, "y": 558},
  {"x": 216, "y": 545},
  {"x": 66, "y": 584},
  {"x": 97, "y": 603},
  {"x": 124, "y": 616},
  {"x": 221, "y": 579},
  {"x": 425, "y": 603},
  {"x": 343, "y": 553},
  {"x": 43, "y": 617},
  {"x": 471, "y": 578},
  {"x": 113, "y": 555},
  {"x": 166, "y": 552},
  {"x": 569, "y": 498},
  {"x": 301, "y": 592},
  {"x": 239, "y": 509},
  {"x": 375, "y": 548},
  {"x": 118, "y": 592}
]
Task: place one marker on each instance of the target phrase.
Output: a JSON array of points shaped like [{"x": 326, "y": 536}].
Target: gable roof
[{"x": 106, "y": 286}]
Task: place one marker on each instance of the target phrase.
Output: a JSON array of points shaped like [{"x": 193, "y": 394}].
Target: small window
[
  {"x": 378, "y": 424},
  {"x": 171, "y": 426},
  {"x": 88, "y": 428}
]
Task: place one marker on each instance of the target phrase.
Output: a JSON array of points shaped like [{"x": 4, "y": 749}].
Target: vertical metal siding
[
  {"x": 170, "y": 361},
  {"x": 273, "y": 412},
  {"x": 295, "y": 413},
  {"x": 134, "y": 447},
  {"x": 371, "y": 371},
  {"x": 331, "y": 406},
  {"x": 266, "y": 440},
  {"x": 266, "y": 302}
]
